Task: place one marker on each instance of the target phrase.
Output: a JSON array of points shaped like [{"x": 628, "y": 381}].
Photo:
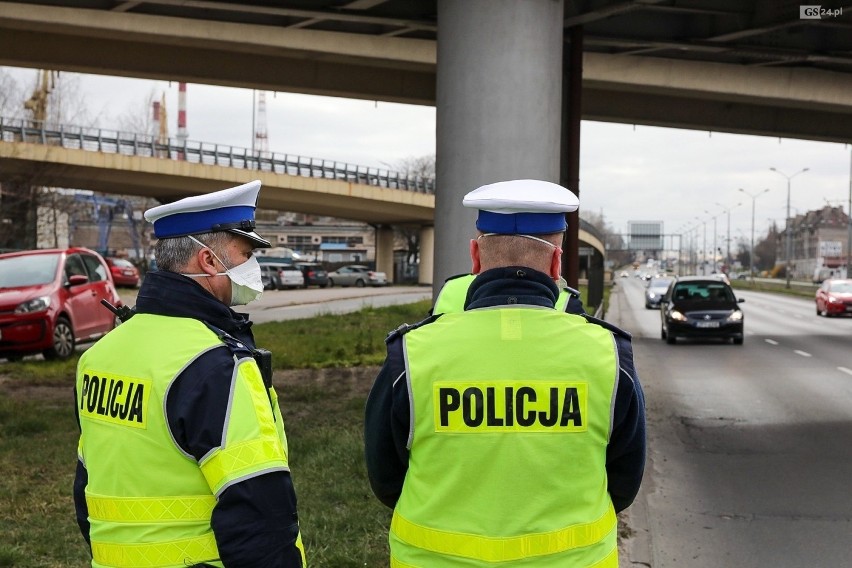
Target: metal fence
[{"x": 132, "y": 144}]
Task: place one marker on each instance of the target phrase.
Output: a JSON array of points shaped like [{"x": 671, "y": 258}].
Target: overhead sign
[{"x": 645, "y": 235}]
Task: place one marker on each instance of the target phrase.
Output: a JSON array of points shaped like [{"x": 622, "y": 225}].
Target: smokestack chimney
[{"x": 182, "y": 134}]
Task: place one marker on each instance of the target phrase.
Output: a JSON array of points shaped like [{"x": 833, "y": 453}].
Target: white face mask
[{"x": 246, "y": 283}]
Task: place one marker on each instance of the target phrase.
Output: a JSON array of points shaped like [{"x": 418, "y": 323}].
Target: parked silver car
[
  {"x": 356, "y": 275},
  {"x": 277, "y": 276}
]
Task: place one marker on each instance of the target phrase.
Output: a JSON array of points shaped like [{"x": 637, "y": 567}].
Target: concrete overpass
[
  {"x": 747, "y": 66},
  {"x": 751, "y": 67},
  {"x": 121, "y": 163}
]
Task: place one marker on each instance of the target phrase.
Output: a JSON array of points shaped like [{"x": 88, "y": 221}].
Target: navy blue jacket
[
  {"x": 386, "y": 427},
  {"x": 255, "y": 521}
]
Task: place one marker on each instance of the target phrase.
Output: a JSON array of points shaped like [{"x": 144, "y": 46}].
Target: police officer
[
  {"x": 509, "y": 433},
  {"x": 182, "y": 454}
]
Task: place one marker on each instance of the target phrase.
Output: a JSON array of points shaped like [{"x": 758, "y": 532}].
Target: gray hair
[
  {"x": 174, "y": 253},
  {"x": 514, "y": 250}
]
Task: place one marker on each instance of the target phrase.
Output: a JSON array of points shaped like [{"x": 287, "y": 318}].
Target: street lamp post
[
  {"x": 787, "y": 224},
  {"x": 703, "y": 246},
  {"x": 714, "y": 238},
  {"x": 728, "y": 249},
  {"x": 754, "y": 197}
]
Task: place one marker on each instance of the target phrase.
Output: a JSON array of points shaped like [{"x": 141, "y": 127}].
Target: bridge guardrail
[{"x": 146, "y": 145}]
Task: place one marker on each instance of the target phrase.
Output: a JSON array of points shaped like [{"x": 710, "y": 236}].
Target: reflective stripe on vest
[
  {"x": 488, "y": 549},
  {"x": 513, "y": 397},
  {"x": 147, "y": 509},
  {"x": 184, "y": 552}
]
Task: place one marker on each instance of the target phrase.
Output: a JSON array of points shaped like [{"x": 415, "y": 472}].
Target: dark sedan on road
[
  {"x": 701, "y": 307},
  {"x": 834, "y": 298}
]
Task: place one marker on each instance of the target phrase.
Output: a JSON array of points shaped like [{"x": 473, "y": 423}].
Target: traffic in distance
[{"x": 707, "y": 307}]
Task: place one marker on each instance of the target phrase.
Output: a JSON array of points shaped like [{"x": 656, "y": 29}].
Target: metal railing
[{"x": 132, "y": 144}]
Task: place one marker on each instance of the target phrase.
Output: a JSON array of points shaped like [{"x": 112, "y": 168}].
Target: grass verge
[
  {"x": 797, "y": 290},
  {"x": 324, "y": 369},
  {"x": 343, "y": 524}
]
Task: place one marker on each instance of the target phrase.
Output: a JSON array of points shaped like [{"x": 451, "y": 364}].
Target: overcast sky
[{"x": 628, "y": 173}]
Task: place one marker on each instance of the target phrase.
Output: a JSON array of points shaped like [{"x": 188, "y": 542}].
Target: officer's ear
[
  {"x": 206, "y": 261},
  {"x": 474, "y": 256},
  {"x": 556, "y": 263}
]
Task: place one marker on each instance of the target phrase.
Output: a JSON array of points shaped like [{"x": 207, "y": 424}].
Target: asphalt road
[
  {"x": 750, "y": 446},
  {"x": 279, "y": 305}
]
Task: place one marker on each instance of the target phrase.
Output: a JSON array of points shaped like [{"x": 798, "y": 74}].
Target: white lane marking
[
  {"x": 771, "y": 341},
  {"x": 845, "y": 370},
  {"x": 802, "y": 353}
]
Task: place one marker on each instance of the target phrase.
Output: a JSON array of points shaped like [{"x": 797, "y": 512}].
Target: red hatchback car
[
  {"x": 834, "y": 298},
  {"x": 123, "y": 272},
  {"x": 50, "y": 300}
]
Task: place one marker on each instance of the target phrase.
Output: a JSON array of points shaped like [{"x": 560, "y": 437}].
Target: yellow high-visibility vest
[
  {"x": 511, "y": 417},
  {"x": 149, "y": 502}
]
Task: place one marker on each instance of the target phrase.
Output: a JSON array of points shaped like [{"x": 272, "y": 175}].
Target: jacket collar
[
  {"x": 170, "y": 294},
  {"x": 511, "y": 285}
]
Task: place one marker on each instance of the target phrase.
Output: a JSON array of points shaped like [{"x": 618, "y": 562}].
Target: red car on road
[
  {"x": 834, "y": 298},
  {"x": 123, "y": 272},
  {"x": 50, "y": 300}
]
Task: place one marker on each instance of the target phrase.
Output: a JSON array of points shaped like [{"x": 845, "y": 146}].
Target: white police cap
[
  {"x": 230, "y": 210},
  {"x": 521, "y": 207}
]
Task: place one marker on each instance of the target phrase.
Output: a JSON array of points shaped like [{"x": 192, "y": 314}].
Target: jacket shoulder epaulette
[
  {"x": 406, "y": 327},
  {"x": 572, "y": 291},
  {"x": 235, "y": 345},
  {"x": 606, "y": 325}
]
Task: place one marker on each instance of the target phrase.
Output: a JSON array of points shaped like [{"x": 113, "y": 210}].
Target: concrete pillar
[
  {"x": 427, "y": 252},
  {"x": 384, "y": 251},
  {"x": 499, "y": 92}
]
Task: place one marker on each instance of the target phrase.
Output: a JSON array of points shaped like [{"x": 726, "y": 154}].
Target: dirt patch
[
  {"x": 353, "y": 381},
  {"x": 53, "y": 395}
]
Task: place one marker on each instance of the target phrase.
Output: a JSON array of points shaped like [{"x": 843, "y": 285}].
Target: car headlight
[
  {"x": 652, "y": 295},
  {"x": 833, "y": 300},
  {"x": 35, "y": 305},
  {"x": 676, "y": 315},
  {"x": 736, "y": 316}
]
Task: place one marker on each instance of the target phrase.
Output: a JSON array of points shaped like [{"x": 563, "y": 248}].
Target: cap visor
[{"x": 257, "y": 240}]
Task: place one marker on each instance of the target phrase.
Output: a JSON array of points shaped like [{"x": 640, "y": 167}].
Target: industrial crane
[{"x": 37, "y": 103}]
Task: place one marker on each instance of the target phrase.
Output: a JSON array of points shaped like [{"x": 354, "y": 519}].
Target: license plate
[
  {"x": 706, "y": 324},
  {"x": 849, "y": 308}
]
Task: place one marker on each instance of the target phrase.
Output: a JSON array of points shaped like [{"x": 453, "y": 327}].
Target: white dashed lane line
[
  {"x": 771, "y": 341},
  {"x": 802, "y": 353},
  {"x": 845, "y": 370}
]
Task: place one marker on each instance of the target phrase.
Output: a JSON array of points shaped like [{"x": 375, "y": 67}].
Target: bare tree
[
  {"x": 11, "y": 96},
  {"x": 32, "y": 214},
  {"x": 138, "y": 117},
  {"x": 409, "y": 236}
]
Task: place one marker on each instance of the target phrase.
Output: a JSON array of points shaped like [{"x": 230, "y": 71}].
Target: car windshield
[
  {"x": 30, "y": 270},
  {"x": 703, "y": 291},
  {"x": 841, "y": 287},
  {"x": 660, "y": 283}
]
